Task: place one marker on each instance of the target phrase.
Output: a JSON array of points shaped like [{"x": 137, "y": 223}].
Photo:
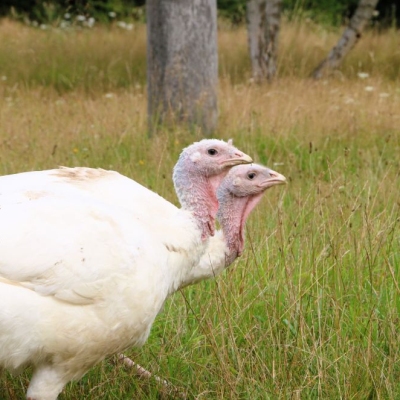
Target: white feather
[{"x": 87, "y": 259}]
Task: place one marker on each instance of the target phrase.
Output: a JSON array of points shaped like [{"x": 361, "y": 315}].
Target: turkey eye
[
  {"x": 251, "y": 175},
  {"x": 212, "y": 152}
]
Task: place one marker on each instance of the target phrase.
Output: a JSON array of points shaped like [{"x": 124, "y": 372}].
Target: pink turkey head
[
  {"x": 198, "y": 173},
  {"x": 238, "y": 194}
]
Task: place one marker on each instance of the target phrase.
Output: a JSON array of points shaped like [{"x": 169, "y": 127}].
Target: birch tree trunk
[
  {"x": 182, "y": 62},
  {"x": 349, "y": 38},
  {"x": 263, "y": 22}
]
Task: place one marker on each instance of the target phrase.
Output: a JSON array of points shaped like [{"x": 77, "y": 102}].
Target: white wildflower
[
  {"x": 384, "y": 95},
  {"x": 363, "y": 75},
  {"x": 112, "y": 14},
  {"x": 109, "y": 95},
  {"x": 67, "y": 16},
  {"x": 121, "y": 24},
  {"x": 90, "y": 22},
  {"x": 3, "y": 78},
  {"x": 80, "y": 18},
  {"x": 64, "y": 24},
  {"x": 369, "y": 88}
]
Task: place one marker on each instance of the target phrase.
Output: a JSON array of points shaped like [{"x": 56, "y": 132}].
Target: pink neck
[
  {"x": 232, "y": 215},
  {"x": 197, "y": 194}
]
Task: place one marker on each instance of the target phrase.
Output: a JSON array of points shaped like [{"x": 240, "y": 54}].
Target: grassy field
[{"x": 312, "y": 308}]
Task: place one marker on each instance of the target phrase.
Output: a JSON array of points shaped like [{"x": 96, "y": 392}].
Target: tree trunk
[
  {"x": 349, "y": 38},
  {"x": 263, "y": 21},
  {"x": 182, "y": 62}
]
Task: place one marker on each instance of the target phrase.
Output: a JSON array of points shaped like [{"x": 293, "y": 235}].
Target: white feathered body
[
  {"x": 109, "y": 187},
  {"x": 212, "y": 262},
  {"x": 82, "y": 274}
]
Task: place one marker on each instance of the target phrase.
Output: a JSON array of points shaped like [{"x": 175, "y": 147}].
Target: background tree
[
  {"x": 263, "y": 22},
  {"x": 349, "y": 38},
  {"x": 182, "y": 62}
]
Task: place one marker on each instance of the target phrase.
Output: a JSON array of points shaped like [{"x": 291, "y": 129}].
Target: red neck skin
[
  {"x": 197, "y": 194},
  {"x": 232, "y": 215}
]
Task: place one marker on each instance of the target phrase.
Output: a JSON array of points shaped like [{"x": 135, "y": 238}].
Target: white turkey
[
  {"x": 88, "y": 257},
  {"x": 240, "y": 191}
]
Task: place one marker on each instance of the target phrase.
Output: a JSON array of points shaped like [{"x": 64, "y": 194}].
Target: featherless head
[
  {"x": 238, "y": 194},
  {"x": 247, "y": 180},
  {"x": 197, "y": 175},
  {"x": 210, "y": 157}
]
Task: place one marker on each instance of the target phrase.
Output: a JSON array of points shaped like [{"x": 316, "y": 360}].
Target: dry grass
[
  {"x": 311, "y": 310},
  {"x": 302, "y": 47},
  {"x": 93, "y": 61}
]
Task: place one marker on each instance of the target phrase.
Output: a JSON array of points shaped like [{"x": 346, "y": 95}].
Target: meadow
[{"x": 312, "y": 308}]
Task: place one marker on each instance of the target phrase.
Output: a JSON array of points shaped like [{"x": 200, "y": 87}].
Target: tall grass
[
  {"x": 311, "y": 310},
  {"x": 94, "y": 61},
  {"x": 107, "y": 58}
]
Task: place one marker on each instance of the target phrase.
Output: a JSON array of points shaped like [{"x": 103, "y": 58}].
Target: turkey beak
[
  {"x": 237, "y": 159},
  {"x": 274, "y": 178}
]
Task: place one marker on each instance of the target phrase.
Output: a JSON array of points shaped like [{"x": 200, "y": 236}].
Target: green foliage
[
  {"x": 53, "y": 10},
  {"x": 234, "y": 10},
  {"x": 324, "y": 11},
  {"x": 329, "y": 12}
]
